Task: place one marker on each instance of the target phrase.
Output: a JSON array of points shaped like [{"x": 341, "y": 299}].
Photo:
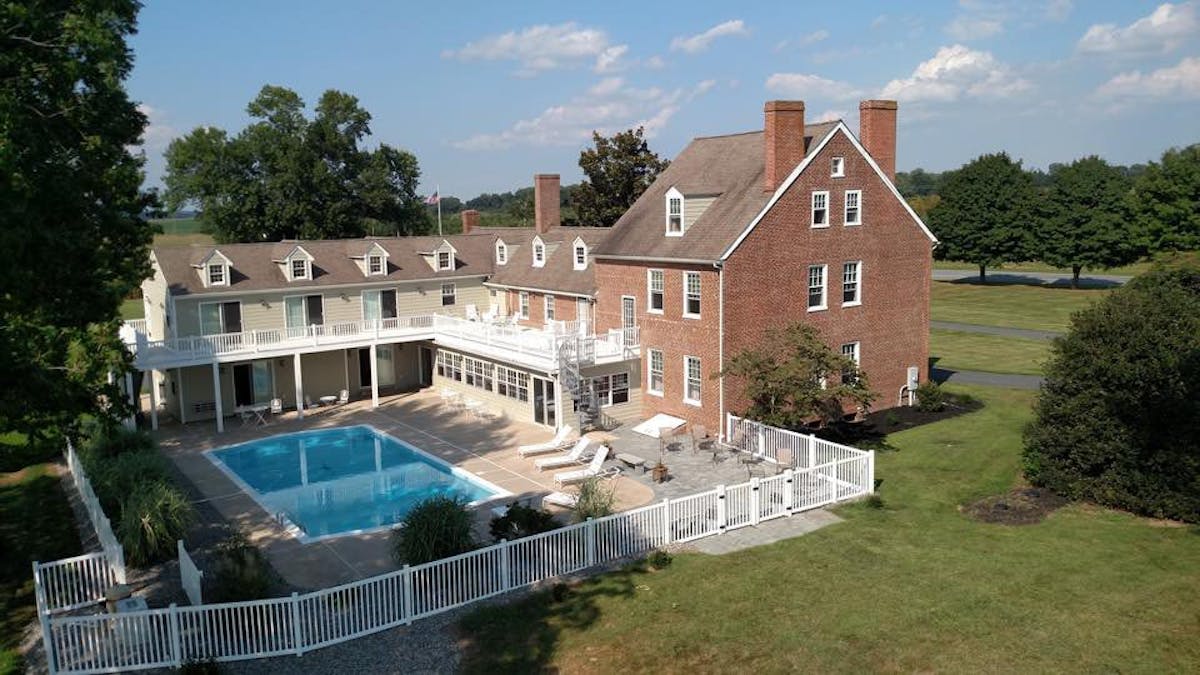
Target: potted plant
[{"x": 659, "y": 473}]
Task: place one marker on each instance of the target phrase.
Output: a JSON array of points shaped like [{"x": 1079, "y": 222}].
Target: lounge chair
[
  {"x": 276, "y": 406},
  {"x": 559, "y": 442},
  {"x": 343, "y": 397},
  {"x": 580, "y": 475},
  {"x": 577, "y": 455},
  {"x": 563, "y": 499}
]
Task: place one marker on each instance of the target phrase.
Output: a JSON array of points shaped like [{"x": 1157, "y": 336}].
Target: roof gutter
[
  {"x": 494, "y": 284},
  {"x": 642, "y": 258},
  {"x": 365, "y": 284}
]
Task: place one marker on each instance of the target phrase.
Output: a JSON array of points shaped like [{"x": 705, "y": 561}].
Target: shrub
[
  {"x": 153, "y": 517},
  {"x": 116, "y": 478},
  {"x": 596, "y": 499},
  {"x": 239, "y": 572},
  {"x": 436, "y": 528},
  {"x": 658, "y": 559},
  {"x": 100, "y": 441},
  {"x": 874, "y": 502},
  {"x": 930, "y": 397},
  {"x": 521, "y": 521},
  {"x": 1115, "y": 421}
]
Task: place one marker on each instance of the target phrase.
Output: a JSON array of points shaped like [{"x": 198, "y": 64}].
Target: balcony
[{"x": 530, "y": 347}]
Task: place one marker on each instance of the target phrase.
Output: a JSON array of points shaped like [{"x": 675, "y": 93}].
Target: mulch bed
[
  {"x": 1022, "y": 506},
  {"x": 871, "y": 433}
]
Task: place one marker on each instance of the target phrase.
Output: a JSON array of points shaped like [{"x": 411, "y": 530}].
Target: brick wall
[
  {"x": 669, "y": 332},
  {"x": 766, "y": 278},
  {"x": 564, "y": 308}
]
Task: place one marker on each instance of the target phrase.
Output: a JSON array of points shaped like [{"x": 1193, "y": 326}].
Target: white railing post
[
  {"x": 789, "y": 498},
  {"x": 39, "y": 594},
  {"x": 406, "y": 596},
  {"x": 722, "y": 509},
  {"x": 871, "y": 472},
  {"x": 505, "y": 566},
  {"x": 176, "y": 646},
  {"x": 589, "y": 545},
  {"x": 666, "y": 524},
  {"x": 812, "y": 451},
  {"x": 297, "y": 632},
  {"x": 754, "y": 501},
  {"x": 762, "y": 442}
]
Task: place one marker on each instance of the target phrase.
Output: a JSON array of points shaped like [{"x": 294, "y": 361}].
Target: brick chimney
[
  {"x": 470, "y": 220},
  {"x": 545, "y": 202},
  {"x": 877, "y": 131},
  {"x": 784, "y": 139}
]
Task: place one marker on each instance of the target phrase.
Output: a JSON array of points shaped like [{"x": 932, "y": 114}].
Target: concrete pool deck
[{"x": 486, "y": 448}]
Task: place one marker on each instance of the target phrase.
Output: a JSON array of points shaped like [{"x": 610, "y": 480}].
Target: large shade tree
[
  {"x": 984, "y": 214},
  {"x": 1084, "y": 221},
  {"x": 1116, "y": 420},
  {"x": 1166, "y": 200},
  {"x": 288, "y": 176},
  {"x": 70, "y": 207},
  {"x": 618, "y": 170}
]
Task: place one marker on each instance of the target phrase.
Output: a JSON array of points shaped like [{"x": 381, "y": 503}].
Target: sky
[{"x": 488, "y": 94}]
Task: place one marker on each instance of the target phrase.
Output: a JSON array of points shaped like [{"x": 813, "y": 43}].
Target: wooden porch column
[
  {"x": 153, "y": 401},
  {"x": 182, "y": 402},
  {"x": 299, "y": 387},
  {"x": 374, "y": 377},
  {"x": 346, "y": 367},
  {"x": 216, "y": 368}
]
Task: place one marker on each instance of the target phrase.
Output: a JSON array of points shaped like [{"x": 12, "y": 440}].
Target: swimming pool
[{"x": 344, "y": 480}]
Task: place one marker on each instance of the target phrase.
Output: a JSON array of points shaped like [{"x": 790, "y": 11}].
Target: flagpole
[{"x": 439, "y": 205}]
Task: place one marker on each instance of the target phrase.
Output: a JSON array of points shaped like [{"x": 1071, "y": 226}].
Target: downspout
[{"x": 720, "y": 266}]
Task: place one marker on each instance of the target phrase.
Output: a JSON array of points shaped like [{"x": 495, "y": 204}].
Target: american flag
[{"x": 432, "y": 199}]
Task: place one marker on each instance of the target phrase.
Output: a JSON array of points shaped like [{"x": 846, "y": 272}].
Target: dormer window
[
  {"x": 580, "y": 255},
  {"x": 539, "y": 252},
  {"x": 501, "y": 253},
  {"x": 299, "y": 269},
  {"x": 216, "y": 275},
  {"x": 296, "y": 265},
  {"x": 674, "y": 213},
  {"x": 445, "y": 261},
  {"x": 837, "y": 167},
  {"x": 375, "y": 264}
]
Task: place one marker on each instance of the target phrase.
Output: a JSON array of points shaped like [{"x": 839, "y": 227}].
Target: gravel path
[
  {"x": 1039, "y": 278},
  {"x": 1002, "y": 331},
  {"x": 1006, "y": 381}
]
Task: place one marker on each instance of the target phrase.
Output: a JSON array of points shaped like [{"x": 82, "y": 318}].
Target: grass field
[
  {"x": 913, "y": 587},
  {"x": 1018, "y": 306},
  {"x": 35, "y": 524},
  {"x": 181, "y": 232},
  {"x": 133, "y": 308},
  {"x": 1127, "y": 270},
  {"x": 989, "y": 353}
]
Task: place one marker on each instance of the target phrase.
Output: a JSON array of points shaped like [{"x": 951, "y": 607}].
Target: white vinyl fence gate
[{"x": 155, "y": 638}]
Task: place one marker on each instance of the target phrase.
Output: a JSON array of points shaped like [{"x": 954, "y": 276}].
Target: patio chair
[
  {"x": 308, "y": 403},
  {"x": 343, "y": 397},
  {"x": 472, "y": 313},
  {"x": 700, "y": 438},
  {"x": 579, "y": 475},
  {"x": 577, "y": 455},
  {"x": 563, "y": 499},
  {"x": 559, "y": 442},
  {"x": 276, "y": 406}
]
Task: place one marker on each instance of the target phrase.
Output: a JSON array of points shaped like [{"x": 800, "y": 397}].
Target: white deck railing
[
  {"x": 190, "y": 576},
  {"x": 304, "y": 622}
]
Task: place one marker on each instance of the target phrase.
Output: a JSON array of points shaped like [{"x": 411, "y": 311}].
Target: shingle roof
[
  {"x": 559, "y": 272},
  {"x": 729, "y": 167}
]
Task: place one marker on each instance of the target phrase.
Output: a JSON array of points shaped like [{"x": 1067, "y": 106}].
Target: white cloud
[
  {"x": 830, "y": 116},
  {"x": 697, "y": 43},
  {"x": 955, "y": 72},
  {"x": 608, "y": 106},
  {"x": 802, "y": 85},
  {"x": 879, "y": 21},
  {"x": 655, "y": 62},
  {"x": 539, "y": 48},
  {"x": 967, "y": 28},
  {"x": 1166, "y": 28},
  {"x": 1181, "y": 81},
  {"x": 157, "y": 134},
  {"x": 806, "y": 40},
  {"x": 609, "y": 60},
  {"x": 1058, "y": 10}
]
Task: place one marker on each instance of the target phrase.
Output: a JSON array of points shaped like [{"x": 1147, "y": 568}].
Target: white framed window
[
  {"x": 450, "y": 366},
  {"x": 375, "y": 264},
  {"x": 539, "y": 252},
  {"x": 478, "y": 373},
  {"x": 501, "y": 253},
  {"x": 445, "y": 261},
  {"x": 837, "y": 167},
  {"x": 580, "y": 255},
  {"x": 548, "y": 302},
  {"x": 217, "y": 275},
  {"x": 611, "y": 389},
  {"x": 820, "y": 209},
  {"x": 511, "y": 383},
  {"x": 449, "y": 295},
  {"x": 654, "y": 372},
  {"x": 852, "y": 283},
  {"x": 299, "y": 269},
  {"x": 691, "y": 380},
  {"x": 853, "y": 215},
  {"x": 816, "y": 287},
  {"x": 523, "y": 304},
  {"x": 379, "y": 304},
  {"x": 691, "y": 295},
  {"x": 675, "y": 216},
  {"x": 654, "y": 291},
  {"x": 851, "y": 351},
  {"x": 220, "y": 317},
  {"x": 300, "y": 311}
]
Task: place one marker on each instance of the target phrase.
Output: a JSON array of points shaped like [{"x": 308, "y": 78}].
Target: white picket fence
[
  {"x": 190, "y": 576},
  {"x": 304, "y": 622},
  {"x": 781, "y": 446}
]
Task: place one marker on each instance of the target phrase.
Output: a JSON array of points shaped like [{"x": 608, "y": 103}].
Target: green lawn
[
  {"x": 989, "y": 353},
  {"x": 35, "y": 524},
  {"x": 1128, "y": 270},
  {"x": 133, "y": 308},
  {"x": 913, "y": 587},
  {"x": 1018, "y": 306}
]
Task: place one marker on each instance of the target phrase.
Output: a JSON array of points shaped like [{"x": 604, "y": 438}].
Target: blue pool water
[{"x": 347, "y": 479}]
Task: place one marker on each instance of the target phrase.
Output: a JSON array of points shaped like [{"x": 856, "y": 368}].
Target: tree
[
  {"x": 285, "y": 176},
  {"x": 71, "y": 208},
  {"x": 792, "y": 378},
  {"x": 1115, "y": 421},
  {"x": 1084, "y": 222},
  {"x": 918, "y": 183},
  {"x": 618, "y": 170},
  {"x": 1166, "y": 200},
  {"x": 983, "y": 217}
]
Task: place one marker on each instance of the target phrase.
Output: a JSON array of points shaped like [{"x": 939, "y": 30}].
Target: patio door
[
  {"x": 545, "y": 402},
  {"x": 384, "y": 363},
  {"x": 426, "y": 373},
  {"x": 252, "y": 383},
  {"x": 628, "y": 311},
  {"x": 583, "y": 312}
]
